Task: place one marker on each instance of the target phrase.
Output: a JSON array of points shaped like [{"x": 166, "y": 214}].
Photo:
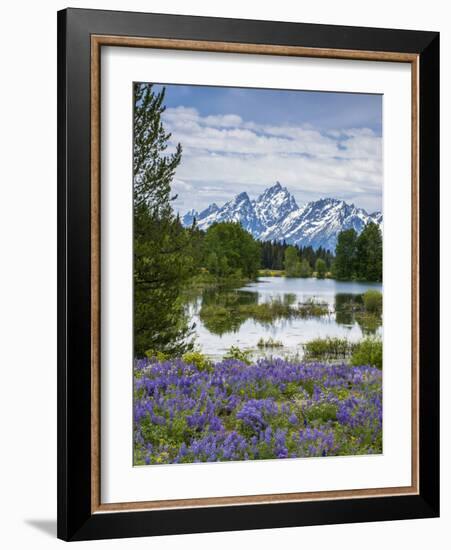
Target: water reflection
[{"x": 293, "y": 311}]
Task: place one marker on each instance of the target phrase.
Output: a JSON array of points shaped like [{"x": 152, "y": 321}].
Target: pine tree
[
  {"x": 345, "y": 255},
  {"x": 369, "y": 253},
  {"x": 161, "y": 262}
]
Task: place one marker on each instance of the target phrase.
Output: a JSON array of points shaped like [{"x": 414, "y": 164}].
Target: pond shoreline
[{"x": 290, "y": 310}]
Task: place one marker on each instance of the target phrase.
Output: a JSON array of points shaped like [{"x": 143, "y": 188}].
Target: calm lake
[{"x": 222, "y": 319}]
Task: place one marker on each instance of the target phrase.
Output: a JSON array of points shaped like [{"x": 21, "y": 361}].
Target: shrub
[
  {"x": 368, "y": 352},
  {"x": 154, "y": 355},
  {"x": 197, "y": 359},
  {"x": 372, "y": 300},
  {"x": 235, "y": 352}
]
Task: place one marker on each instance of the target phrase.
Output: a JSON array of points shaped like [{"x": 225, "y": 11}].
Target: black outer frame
[{"x": 75, "y": 520}]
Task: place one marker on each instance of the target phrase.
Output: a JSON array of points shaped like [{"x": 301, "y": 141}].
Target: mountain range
[{"x": 275, "y": 215}]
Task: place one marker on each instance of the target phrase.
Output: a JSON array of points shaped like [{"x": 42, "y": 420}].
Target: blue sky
[{"x": 317, "y": 144}]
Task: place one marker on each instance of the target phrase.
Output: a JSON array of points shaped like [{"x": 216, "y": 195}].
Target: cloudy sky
[{"x": 317, "y": 144}]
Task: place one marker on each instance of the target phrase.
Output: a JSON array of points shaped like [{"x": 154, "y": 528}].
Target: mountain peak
[
  {"x": 242, "y": 197},
  {"x": 188, "y": 218},
  {"x": 274, "y": 215},
  {"x": 273, "y": 190}
]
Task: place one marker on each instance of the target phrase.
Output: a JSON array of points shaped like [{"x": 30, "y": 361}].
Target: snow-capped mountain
[
  {"x": 188, "y": 218},
  {"x": 274, "y": 215},
  {"x": 274, "y": 205}
]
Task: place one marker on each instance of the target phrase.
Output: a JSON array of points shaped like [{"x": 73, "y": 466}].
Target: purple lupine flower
[{"x": 217, "y": 405}]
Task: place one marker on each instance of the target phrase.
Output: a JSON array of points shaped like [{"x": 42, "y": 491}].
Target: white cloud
[{"x": 223, "y": 153}]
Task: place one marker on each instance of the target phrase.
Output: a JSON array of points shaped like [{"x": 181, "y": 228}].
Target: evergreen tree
[
  {"x": 273, "y": 255},
  {"x": 161, "y": 264},
  {"x": 346, "y": 255},
  {"x": 369, "y": 253}
]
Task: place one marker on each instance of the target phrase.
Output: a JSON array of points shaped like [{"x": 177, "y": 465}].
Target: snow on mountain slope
[
  {"x": 274, "y": 205},
  {"x": 274, "y": 215}
]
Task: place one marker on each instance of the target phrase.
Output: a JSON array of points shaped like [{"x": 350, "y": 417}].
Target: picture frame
[{"x": 81, "y": 36}]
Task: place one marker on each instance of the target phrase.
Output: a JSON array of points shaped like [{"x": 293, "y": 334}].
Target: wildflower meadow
[{"x": 187, "y": 412}]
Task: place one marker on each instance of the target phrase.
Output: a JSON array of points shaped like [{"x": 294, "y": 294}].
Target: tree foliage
[
  {"x": 369, "y": 253},
  {"x": 306, "y": 269},
  {"x": 229, "y": 250},
  {"x": 161, "y": 262},
  {"x": 292, "y": 262},
  {"x": 273, "y": 254},
  {"x": 320, "y": 268},
  {"x": 359, "y": 257},
  {"x": 344, "y": 267}
]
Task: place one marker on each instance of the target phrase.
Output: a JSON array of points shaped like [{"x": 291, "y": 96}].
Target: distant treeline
[
  {"x": 273, "y": 255},
  {"x": 225, "y": 250}
]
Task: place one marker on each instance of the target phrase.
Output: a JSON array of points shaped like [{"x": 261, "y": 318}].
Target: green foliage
[
  {"x": 344, "y": 266},
  {"x": 349, "y": 308},
  {"x": 271, "y": 273},
  {"x": 320, "y": 268},
  {"x": 297, "y": 267},
  {"x": 273, "y": 255},
  {"x": 305, "y": 269},
  {"x": 291, "y": 390},
  {"x": 368, "y": 322},
  {"x": 368, "y": 352},
  {"x": 223, "y": 312},
  {"x": 197, "y": 359},
  {"x": 235, "y": 352},
  {"x": 369, "y": 253},
  {"x": 322, "y": 412},
  {"x": 162, "y": 263},
  {"x": 292, "y": 262},
  {"x": 321, "y": 348},
  {"x": 155, "y": 355},
  {"x": 359, "y": 257},
  {"x": 229, "y": 250},
  {"x": 372, "y": 300}
]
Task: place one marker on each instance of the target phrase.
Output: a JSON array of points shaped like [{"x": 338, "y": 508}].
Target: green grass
[
  {"x": 271, "y": 273},
  {"x": 269, "y": 343},
  {"x": 328, "y": 348},
  {"x": 368, "y": 352}
]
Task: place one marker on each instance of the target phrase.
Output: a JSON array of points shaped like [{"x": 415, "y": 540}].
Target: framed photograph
[{"x": 248, "y": 274}]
